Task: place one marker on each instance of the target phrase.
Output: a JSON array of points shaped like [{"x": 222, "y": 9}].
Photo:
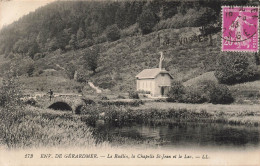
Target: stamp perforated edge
[{"x": 222, "y": 31}]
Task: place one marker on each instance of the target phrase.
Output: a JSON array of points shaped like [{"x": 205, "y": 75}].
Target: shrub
[
  {"x": 220, "y": 94},
  {"x": 104, "y": 98},
  {"x": 117, "y": 115},
  {"x": 100, "y": 39},
  {"x": 194, "y": 95},
  {"x": 130, "y": 31},
  {"x": 112, "y": 33},
  {"x": 88, "y": 101},
  {"x": 133, "y": 103},
  {"x": 70, "y": 70},
  {"x": 133, "y": 95},
  {"x": 120, "y": 97},
  {"x": 85, "y": 43},
  {"x": 107, "y": 85},
  {"x": 82, "y": 75},
  {"x": 31, "y": 101},
  {"x": 176, "y": 92},
  {"x": 235, "y": 68},
  {"x": 143, "y": 92},
  {"x": 201, "y": 92}
]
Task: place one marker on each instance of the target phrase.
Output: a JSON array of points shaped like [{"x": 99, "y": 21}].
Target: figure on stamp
[{"x": 240, "y": 32}]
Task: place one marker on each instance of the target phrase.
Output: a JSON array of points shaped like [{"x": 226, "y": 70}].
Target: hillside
[{"x": 51, "y": 47}]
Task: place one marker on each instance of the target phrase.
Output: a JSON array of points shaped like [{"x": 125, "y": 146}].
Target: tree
[
  {"x": 33, "y": 49},
  {"x": 112, "y": 33},
  {"x": 70, "y": 70},
  {"x": 21, "y": 46},
  {"x": 30, "y": 70},
  {"x": 80, "y": 35},
  {"x": 73, "y": 42},
  {"x": 62, "y": 39},
  {"x": 91, "y": 59},
  {"x": 52, "y": 44},
  {"x": 235, "y": 68},
  {"x": 207, "y": 25},
  {"x": 147, "y": 21}
]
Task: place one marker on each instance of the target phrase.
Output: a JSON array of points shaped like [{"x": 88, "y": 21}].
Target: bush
[
  {"x": 31, "y": 101},
  {"x": 85, "y": 43},
  {"x": 133, "y": 95},
  {"x": 176, "y": 92},
  {"x": 194, "y": 95},
  {"x": 143, "y": 92},
  {"x": 209, "y": 91},
  {"x": 88, "y": 101},
  {"x": 107, "y": 85},
  {"x": 130, "y": 31},
  {"x": 104, "y": 98},
  {"x": 120, "y": 97},
  {"x": 220, "y": 94},
  {"x": 112, "y": 33},
  {"x": 235, "y": 68},
  {"x": 100, "y": 39},
  {"x": 82, "y": 75},
  {"x": 201, "y": 92},
  {"x": 133, "y": 103}
]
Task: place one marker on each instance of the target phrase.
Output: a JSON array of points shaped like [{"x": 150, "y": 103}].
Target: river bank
[
  {"x": 42, "y": 127},
  {"x": 163, "y": 112}
]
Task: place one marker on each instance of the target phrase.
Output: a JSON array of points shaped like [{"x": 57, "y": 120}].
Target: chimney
[{"x": 161, "y": 60}]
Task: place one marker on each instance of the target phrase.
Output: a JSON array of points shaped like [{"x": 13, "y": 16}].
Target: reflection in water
[{"x": 185, "y": 134}]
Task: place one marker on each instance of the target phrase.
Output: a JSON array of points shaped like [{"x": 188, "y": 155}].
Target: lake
[{"x": 184, "y": 135}]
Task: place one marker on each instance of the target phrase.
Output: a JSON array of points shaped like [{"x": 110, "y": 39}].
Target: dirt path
[{"x": 94, "y": 87}]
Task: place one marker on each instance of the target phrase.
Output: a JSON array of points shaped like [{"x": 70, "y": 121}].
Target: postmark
[{"x": 240, "y": 28}]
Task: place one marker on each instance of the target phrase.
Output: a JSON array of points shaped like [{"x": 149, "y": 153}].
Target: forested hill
[
  {"x": 109, "y": 42},
  {"x": 72, "y": 25}
]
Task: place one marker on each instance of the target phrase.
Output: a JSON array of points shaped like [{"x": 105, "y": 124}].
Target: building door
[{"x": 162, "y": 91}]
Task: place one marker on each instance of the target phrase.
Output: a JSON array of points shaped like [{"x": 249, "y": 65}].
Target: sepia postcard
[{"x": 129, "y": 82}]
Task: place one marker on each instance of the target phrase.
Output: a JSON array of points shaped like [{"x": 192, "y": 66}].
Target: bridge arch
[{"x": 60, "y": 105}]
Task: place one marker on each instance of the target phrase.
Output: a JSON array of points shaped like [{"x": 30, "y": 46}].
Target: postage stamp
[{"x": 240, "y": 28}]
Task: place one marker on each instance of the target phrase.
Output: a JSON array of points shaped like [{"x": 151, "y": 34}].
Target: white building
[{"x": 156, "y": 81}]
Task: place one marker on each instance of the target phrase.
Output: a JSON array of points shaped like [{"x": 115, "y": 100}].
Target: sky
[{"x": 12, "y": 10}]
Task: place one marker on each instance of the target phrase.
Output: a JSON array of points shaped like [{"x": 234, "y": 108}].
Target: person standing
[{"x": 51, "y": 94}]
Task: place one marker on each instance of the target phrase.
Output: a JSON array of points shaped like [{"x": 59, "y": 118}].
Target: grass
[
  {"x": 45, "y": 83},
  {"x": 211, "y": 108},
  {"x": 45, "y": 128},
  {"x": 41, "y": 127},
  {"x": 165, "y": 113}
]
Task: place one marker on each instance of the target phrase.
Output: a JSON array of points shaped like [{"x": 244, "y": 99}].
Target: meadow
[{"x": 36, "y": 128}]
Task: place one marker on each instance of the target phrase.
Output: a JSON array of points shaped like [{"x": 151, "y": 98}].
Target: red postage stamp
[{"x": 240, "y": 28}]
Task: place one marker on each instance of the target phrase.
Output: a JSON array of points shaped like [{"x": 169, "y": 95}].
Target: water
[{"x": 185, "y": 134}]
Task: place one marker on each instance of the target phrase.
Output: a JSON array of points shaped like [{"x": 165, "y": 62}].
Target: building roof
[{"x": 151, "y": 73}]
